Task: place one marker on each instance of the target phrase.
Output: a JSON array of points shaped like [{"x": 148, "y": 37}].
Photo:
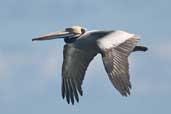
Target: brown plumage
[{"x": 82, "y": 47}]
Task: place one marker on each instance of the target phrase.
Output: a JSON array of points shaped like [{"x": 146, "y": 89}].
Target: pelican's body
[
  {"x": 88, "y": 41},
  {"x": 81, "y": 47}
]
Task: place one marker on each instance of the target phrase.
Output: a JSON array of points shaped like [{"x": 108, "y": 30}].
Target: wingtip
[
  {"x": 72, "y": 103},
  {"x": 63, "y": 97},
  {"x": 68, "y": 101},
  {"x": 125, "y": 94}
]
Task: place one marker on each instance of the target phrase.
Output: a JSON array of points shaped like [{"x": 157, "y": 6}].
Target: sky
[{"x": 30, "y": 72}]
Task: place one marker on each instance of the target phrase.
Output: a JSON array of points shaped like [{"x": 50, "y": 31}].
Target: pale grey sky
[{"x": 30, "y": 72}]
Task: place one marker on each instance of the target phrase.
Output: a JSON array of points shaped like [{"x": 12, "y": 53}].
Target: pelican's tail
[{"x": 140, "y": 48}]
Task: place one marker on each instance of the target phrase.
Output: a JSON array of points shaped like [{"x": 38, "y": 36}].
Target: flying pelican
[{"x": 82, "y": 46}]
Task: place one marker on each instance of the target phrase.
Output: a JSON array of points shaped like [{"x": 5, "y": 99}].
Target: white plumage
[{"x": 114, "y": 39}]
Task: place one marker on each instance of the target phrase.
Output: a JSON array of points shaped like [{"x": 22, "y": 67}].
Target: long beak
[{"x": 55, "y": 35}]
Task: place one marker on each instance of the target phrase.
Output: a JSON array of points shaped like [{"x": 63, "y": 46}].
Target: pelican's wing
[
  {"x": 74, "y": 67},
  {"x": 115, "y": 49}
]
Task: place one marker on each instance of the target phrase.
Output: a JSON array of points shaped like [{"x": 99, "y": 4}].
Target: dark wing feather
[{"x": 74, "y": 67}]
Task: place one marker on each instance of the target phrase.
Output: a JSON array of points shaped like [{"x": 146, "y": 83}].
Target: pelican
[{"x": 82, "y": 46}]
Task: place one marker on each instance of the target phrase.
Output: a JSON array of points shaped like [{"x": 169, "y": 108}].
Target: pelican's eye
[
  {"x": 69, "y": 29},
  {"x": 83, "y": 30}
]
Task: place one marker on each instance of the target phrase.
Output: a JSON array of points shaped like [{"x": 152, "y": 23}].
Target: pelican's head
[{"x": 72, "y": 32}]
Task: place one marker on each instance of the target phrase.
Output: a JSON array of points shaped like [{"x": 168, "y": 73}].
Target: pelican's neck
[{"x": 70, "y": 39}]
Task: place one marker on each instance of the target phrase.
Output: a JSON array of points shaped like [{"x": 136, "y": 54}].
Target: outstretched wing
[
  {"x": 115, "y": 49},
  {"x": 74, "y": 67}
]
